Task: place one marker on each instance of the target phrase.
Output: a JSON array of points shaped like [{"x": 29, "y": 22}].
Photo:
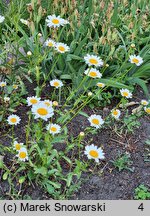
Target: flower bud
[
  {"x": 82, "y": 134},
  {"x": 132, "y": 45},
  {"x": 90, "y": 94},
  {"x": 55, "y": 103},
  {"x": 29, "y": 53}
]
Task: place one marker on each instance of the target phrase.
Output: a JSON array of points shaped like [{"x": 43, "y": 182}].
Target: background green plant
[{"x": 109, "y": 34}]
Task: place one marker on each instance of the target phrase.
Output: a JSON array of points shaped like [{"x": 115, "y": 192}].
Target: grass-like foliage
[{"x": 56, "y": 58}]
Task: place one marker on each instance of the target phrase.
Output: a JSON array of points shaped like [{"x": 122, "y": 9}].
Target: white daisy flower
[
  {"x": 93, "y": 152},
  {"x": 3, "y": 84},
  {"x": 92, "y": 72},
  {"x": 100, "y": 85},
  {"x": 17, "y": 146},
  {"x": 6, "y": 99},
  {"x": 62, "y": 48},
  {"x": 55, "y": 21},
  {"x": 15, "y": 86},
  {"x": 13, "y": 120},
  {"x": 126, "y": 93},
  {"x": 93, "y": 60},
  {"x": 136, "y": 60},
  {"x": 33, "y": 100},
  {"x": 96, "y": 121},
  {"x": 48, "y": 103},
  {"x": 144, "y": 102},
  {"x": 25, "y": 22},
  {"x": 22, "y": 154},
  {"x": 147, "y": 109},
  {"x": 50, "y": 43},
  {"x": 53, "y": 128},
  {"x": 56, "y": 83},
  {"x": 2, "y": 19},
  {"x": 116, "y": 113},
  {"x": 41, "y": 110}
]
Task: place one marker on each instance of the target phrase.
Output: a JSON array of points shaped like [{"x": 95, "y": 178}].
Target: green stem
[{"x": 59, "y": 96}]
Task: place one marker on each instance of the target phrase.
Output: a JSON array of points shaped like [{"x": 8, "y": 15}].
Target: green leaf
[
  {"x": 69, "y": 179},
  {"x": 40, "y": 170},
  {"x": 65, "y": 77},
  {"x": 5, "y": 175},
  {"x": 114, "y": 83},
  {"x": 67, "y": 159},
  {"x": 55, "y": 184},
  {"x": 73, "y": 57},
  {"x": 22, "y": 179},
  {"x": 49, "y": 188},
  {"x": 59, "y": 139},
  {"x": 83, "y": 114},
  {"x": 140, "y": 82}
]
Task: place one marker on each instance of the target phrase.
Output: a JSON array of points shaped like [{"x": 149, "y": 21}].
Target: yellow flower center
[
  {"x": 95, "y": 121},
  {"x": 53, "y": 129},
  {"x": 33, "y": 101},
  {"x": 61, "y": 48},
  {"x": 135, "y": 60},
  {"x": 144, "y": 103},
  {"x": 42, "y": 111},
  {"x": 2, "y": 85},
  {"x": 115, "y": 112},
  {"x": 56, "y": 84},
  {"x": 50, "y": 44},
  {"x": 55, "y": 21},
  {"x": 93, "y": 61},
  {"x": 100, "y": 85},
  {"x": 125, "y": 94},
  {"x": 15, "y": 86},
  {"x": 17, "y": 146},
  {"x": 13, "y": 120},
  {"x": 148, "y": 110},
  {"x": 93, "y": 74},
  {"x": 93, "y": 153},
  {"x": 22, "y": 155}
]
